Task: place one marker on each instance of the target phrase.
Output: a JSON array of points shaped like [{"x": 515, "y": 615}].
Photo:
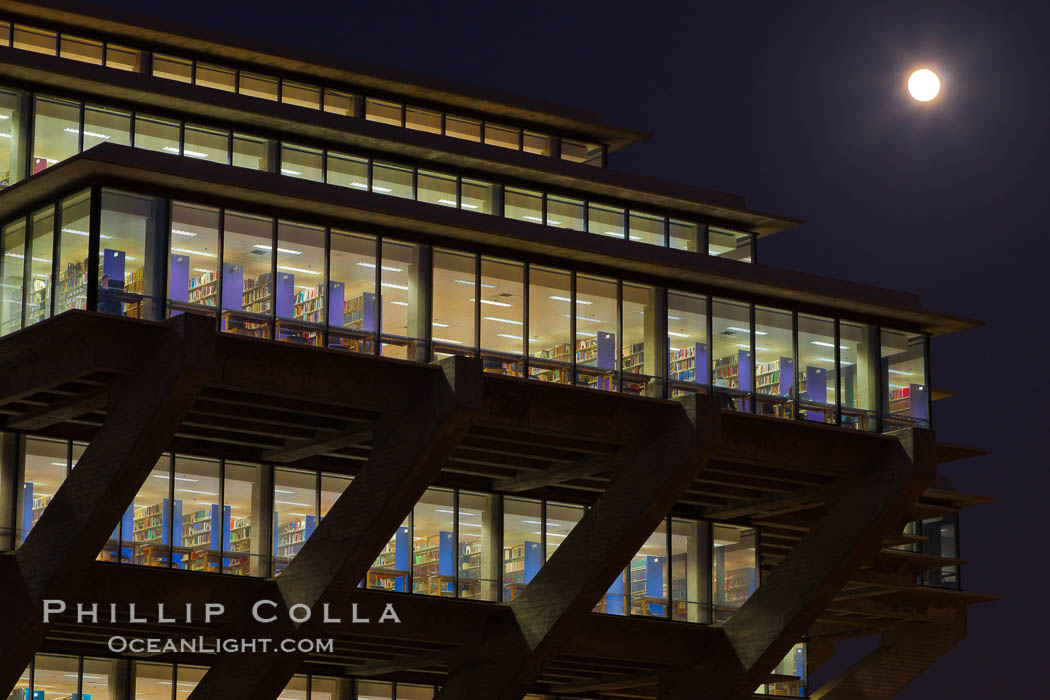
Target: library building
[{"x": 281, "y": 326}]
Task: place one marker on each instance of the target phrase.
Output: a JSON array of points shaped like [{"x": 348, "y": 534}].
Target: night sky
[{"x": 801, "y": 107}]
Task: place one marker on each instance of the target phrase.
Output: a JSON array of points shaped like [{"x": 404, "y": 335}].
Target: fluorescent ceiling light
[
  {"x": 578, "y": 301},
  {"x": 180, "y": 232},
  {"x": 78, "y": 232},
  {"x": 529, "y": 217},
  {"x": 290, "y": 251},
  {"x": 554, "y": 222},
  {"x": 744, "y": 330},
  {"x": 484, "y": 285},
  {"x": 377, "y": 188},
  {"x": 674, "y": 318},
  {"x": 391, "y": 285},
  {"x": 469, "y": 206},
  {"x": 285, "y": 268},
  {"x": 190, "y": 251},
  {"x": 583, "y": 318},
  {"x": 897, "y": 371},
  {"x": 447, "y": 201},
  {"x": 822, "y": 344},
  {"x": 385, "y": 267},
  {"x": 589, "y": 335},
  {"x": 678, "y": 335},
  {"x": 286, "y": 171},
  {"x": 439, "y": 325},
  {"x": 87, "y": 133},
  {"x": 446, "y": 340},
  {"x": 202, "y": 493},
  {"x": 293, "y": 503},
  {"x": 178, "y": 478},
  {"x": 399, "y": 303},
  {"x": 202, "y": 269},
  {"x": 503, "y": 320},
  {"x": 508, "y": 335},
  {"x": 496, "y": 303},
  {"x": 282, "y": 491}
]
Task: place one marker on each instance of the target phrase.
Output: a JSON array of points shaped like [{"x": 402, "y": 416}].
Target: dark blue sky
[{"x": 800, "y": 106}]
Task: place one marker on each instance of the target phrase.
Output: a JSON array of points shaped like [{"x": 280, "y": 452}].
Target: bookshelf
[
  {"x": 646, "y": 584},
  {"x": 202, "y": 534},
  {"x": 11, "y": 299},
  {"x": 257, "y": 297},
  {"x": 150, "y": 528},
  {"x": 308, "y": 305},
  {"x": 433, "y": 571},
  {"x": 71, "y": 289},
  {"x": 520, "y": 564},
  {"x": 390, "y": 570},
  {"x": 689, "y": 365},
  {"x": 634, "y": 359},
  {"x": 289, "y": 538},
  {"x": 38, "y": 301}
]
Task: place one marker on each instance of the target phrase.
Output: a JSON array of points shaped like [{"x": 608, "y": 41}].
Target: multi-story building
[{"x": 279, "y": 327}]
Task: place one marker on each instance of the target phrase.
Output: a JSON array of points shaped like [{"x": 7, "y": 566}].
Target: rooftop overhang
[{"x": 155, "y": 34}]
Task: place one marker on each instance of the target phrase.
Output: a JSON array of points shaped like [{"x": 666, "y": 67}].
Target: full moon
[{"x": 924, "y": 85}]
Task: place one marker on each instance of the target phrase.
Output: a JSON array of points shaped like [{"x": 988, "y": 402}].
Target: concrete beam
[
  {"x": 557, "y": 475},
  {"x": 59, "y": 412},
  {"x": 325, "y": 441}
]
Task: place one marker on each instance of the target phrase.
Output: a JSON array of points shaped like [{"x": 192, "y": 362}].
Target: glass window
[
  {"x": 434, "y": 544},
  {"x": 734, "y": 567},
  {"x": 338, "y": 102},
  {"x": 375, "y": 690},
  {"x": 77, "y": 48},
  {"x": 502, "y": 316},
  {"x": 382, "y": 111},
  {"x": 391, "y": 179},
  {"x": 647, "y": 228},
  {"x": 684, "y": 235},
  {"x": 523, "y": 204},
  {"x": 216, "y": 77},
  {"x": 906, "y": 401},
  {"x": 197, "y": 541},
  {"x": 735, "y": 245},
  {"x": 129, "y": 278},
  {"x": 193, "y": 262},
  {"x": 688, "y": 351},
  {"x": 55, "y": 676},
  {"x": 352, "y": 304},
  {"x": 403, "y": 293},
  {"x": 147, "y": 527},
  {"x": 605, "y": 220},
  {"x": 12, "y": 271},
  {"x": 299, "y": 296},
  {"x": 859, "y": 375},
  {"x": 596, "y": 329},
  {"x": 251, "y": 152},
  {"x": 47, "y": 465},
  {"x": 581, "y": 152},
  {"x": 71, "y": 287},
  {"x": 536, "y": 143},
  {"x": 330, "y": 688},
  {"x": 186, "y": 679},
  {"x": 792, "y": 666},
  {"x": 12, "y": 145},
  {"x": 243, "y": 546},
  {"x": 153, "y": 681},
  {"x": 172, "y": 68},
  {"x": 156, "y": 134},
  {"x": 438, "y": 188},
  {"x": 648, "y": 576},
  {"x": 123, "y": 58},
  {"x": 942, "y": 540},
  {"x": 209, "y": 144},
  {"x": 731, "y": 349},
  {"x": 105, "y": 125},
  {"x": 347, "y": 171},
  {"x": 56, "y": 132},
  {"x": 522, "y": 544},
  {"x": 302, "y": 162},
  {"x": 103, "y": 679},
  {"x": 775, "y": 364},
  {"x": 816, "y": 369},
  {"x": 478, "y": 196},
  {"x": 390, "y": 570},
  {"x": 332, "y": 487},
  {"x": 550, "y": 325},
  {"x": 247, "y": 302},
  {"x": 502, "y": 136},
  {"x": 5, "y": 33},
  {"x": 301, "y": 95},
  {"x": 689, "y": 599},
  {"x": 479, "y": 558},
  {"x": 561, "y": 519},
  {"x": 38, "y": 281},
  {"x": 256, "y": 85},
  {"x": 35, "y": 39},
  {"x": 414, "y": 692},
  {"x": 642, "y": 356},
  {"x": 453, "y": 304},
  {"x": 565, "y": 213},
  {"x": 462, "y": 128},
  {"x": 423, "y": 119},
  {"x": 295, "y": 514},
  {"x": 295, "y": 690}
]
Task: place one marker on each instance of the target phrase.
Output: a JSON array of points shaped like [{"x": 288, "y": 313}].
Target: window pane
[
  {"x": 453, "y": 307},
  {"x": 793, "y": 664},
  {"x": 734, "y": 567},
  {"x": 338, "y": 102},
  {"x": 246, "y": 275},
  {"x": 942, "y": 540},
  {"x": 647, "y": 228},
  {"x": 522, "y": 544},
  {"x": 731, "y": 341},
  {"x": 186, "y": 679},
  {"x": 775, "y": 364},
  {"x": 375, "y": 690},
  {"x": 301, "y": 162},
  {"x": 434, "y": 544},
  {"x": 352, "y": 292},
  {"x": 156, "y": 134},
  {"x": 523, "y": 204},
  {"x": 684, "y": 235},
  {"x": 479, "y": 558},
  {"x": 391, "y": 179},
  {"x": 689, "y": 571},
  {"x": 295, "y": 509},
  {"x": 596, "y": 324},
  {"x": 477, "y": 196},
  {"x": 581, "y": 152},
  {"x": 251, "y": 152},
  {"x": 859, "y": 375},
  {"x": 404, "y": 301},
  {"x": 330, "y": 688},
  {"x": 687, "y": 341},
  {"x": 905, "y": 398},
  {"x": 12, "y": 144},
  {"x": 80, "y": 49},
  {"x": 648, "y": 574},
  {"x": 332, "y": 487},
  {"x": 12, "y": 267},
  {"x": 537, "y": 143},
  {"x": 243, "y": 546},
  {"x": 390, "y": 570},
  {"x": 123, "y": 58},
  {"x": 172, "y": 68},
  {"x": 256, "y": 85},
  {"x": 423, "y": 119},
  {"x": 301, "y": 95},
  {"x": 414, "y": 692},
  {"x": 207, "y": 144},
  {"x": 47, "y": 464},
  {"x": 347, "y": 171},
  {"x": 502, "y": 316},
  {"x": 300, "y": 283},
  {"x": 605, "y": 220},
  {"x": 735, "y": 245},
  {"x": 295, "y": 690},
  {"x": 105, "y": 125},
  {"x": 147, "y": 526},
  {"x": 217, "y": 77},
  {"x": 55, "y": 674},
  {"x": 550, "y": 325},
  {"x": 5, "y": 33},
  {"x": 197, "y": 541},
  {"x": 561, "y": 519},
  {"x": 383, "y": 112},
  {"x": 462, "y": 128},
  {"x": 193, "y": 267},
  {"x": 103, "y": 679},
  {"x": 129, "y": 278},
  {"x": 642, "y": 354},
  {"x": 38, "y": 283},
  {"x": 816, "y": 369},
  {"x": 71, "y": 289},
  {"x": 35, "y": 39},
  {"x": 502, "y": 136},
  {"x": 56, "y": 132},
  {"x": 565, "y": 213},
  {"x": 437, "y": 188},
  {"x": 153, "y": 681}
]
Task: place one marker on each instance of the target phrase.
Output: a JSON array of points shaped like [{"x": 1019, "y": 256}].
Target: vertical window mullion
[
  {"x": 221, "y": 270},
  {"x": 667, "y": 560},
  {"x": 794, "y": 365},
  {"x": 838, "y": 373},
  {"x": 273, "y": 277},
  {"x": 223, "y": 522},
  {"x": 880, "y": 390},
  {"x": 477, "y": 305},
  {"x": 171, "y": 510},
  {"x": 80, "y": 130},
  {"x": 94, "y": 239},
  {"x": 709, "y": 370},
  {"x": 326, "y": 292},
  {"x": 927, "y": 348},
  {"x": 455, "y": 547},
  {"x": 619, "y": 335},
  {"x": 754, "y": 394},
  {"x": 55, "y": 232},
  {"x": 572, "y": 325},
  {"x": 525, "y": 320},
  {"x": 378, "y": 282}
]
